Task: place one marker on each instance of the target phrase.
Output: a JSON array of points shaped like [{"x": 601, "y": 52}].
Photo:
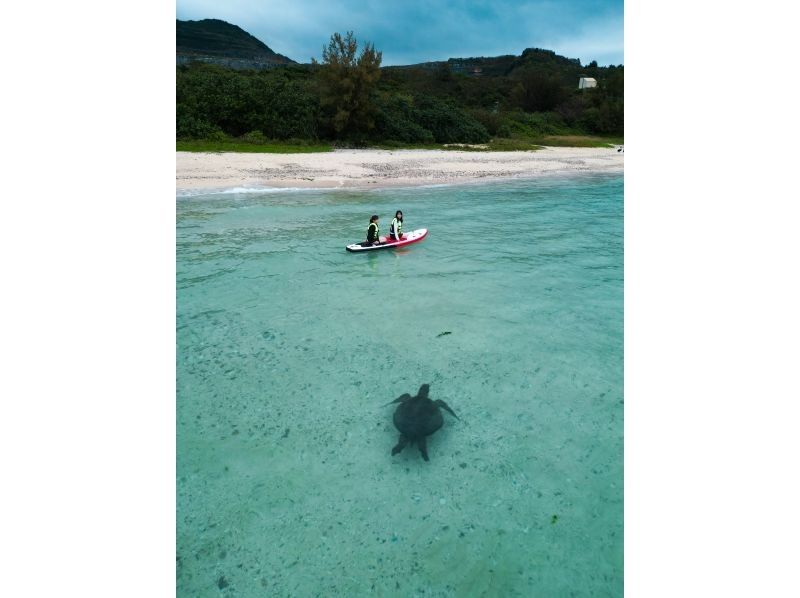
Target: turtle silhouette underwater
[{"x": 417, "y": 418}]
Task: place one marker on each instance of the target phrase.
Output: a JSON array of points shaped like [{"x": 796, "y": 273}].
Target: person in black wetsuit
[
  {"x": 373, "y": 237},
  {"x": 396, "y": 228}
]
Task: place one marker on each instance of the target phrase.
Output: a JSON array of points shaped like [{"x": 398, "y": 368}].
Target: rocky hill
[
  {"x": 500, "y": 66},
  {"x": 218, "y": 42}
]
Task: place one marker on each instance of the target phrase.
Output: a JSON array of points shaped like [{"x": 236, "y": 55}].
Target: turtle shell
[{"x": 418, "y": 417}]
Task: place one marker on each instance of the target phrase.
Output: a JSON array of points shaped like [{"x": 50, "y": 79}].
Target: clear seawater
[{"x": 289, "y": 349}]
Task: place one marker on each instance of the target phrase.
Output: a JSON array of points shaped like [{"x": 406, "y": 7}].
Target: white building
[{"x": 586, "y": 82}]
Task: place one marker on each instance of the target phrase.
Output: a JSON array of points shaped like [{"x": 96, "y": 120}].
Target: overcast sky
[{"x": 412, "y": 31}]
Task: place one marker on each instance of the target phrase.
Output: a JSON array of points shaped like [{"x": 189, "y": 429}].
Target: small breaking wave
[{"x": 188, "y": 193}]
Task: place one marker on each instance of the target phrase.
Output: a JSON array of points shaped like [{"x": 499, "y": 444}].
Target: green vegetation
[
  {"x": 500, "y": 144},
  {"x": 235, "y": 145},
  {"x": 579, "y": 141},
  {"x": 478, "y": 104}
]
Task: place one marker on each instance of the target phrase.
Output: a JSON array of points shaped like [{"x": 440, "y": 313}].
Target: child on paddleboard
[
  {"x": 372, "y": 232},
  {"x": 396, "y": 228}
]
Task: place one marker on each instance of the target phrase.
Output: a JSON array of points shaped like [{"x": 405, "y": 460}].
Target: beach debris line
[{"x": 417, "y": 418}]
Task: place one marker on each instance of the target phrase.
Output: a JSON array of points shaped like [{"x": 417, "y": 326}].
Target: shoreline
[{"x": 375, "y": 169}]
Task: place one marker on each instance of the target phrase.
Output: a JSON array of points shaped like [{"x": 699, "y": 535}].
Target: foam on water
[
  {"x": 289, "y": 348},
  {"x": 187, "y": 193}
]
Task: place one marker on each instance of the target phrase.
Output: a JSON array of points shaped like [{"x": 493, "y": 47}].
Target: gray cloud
[{"x": 423, "y": 30}]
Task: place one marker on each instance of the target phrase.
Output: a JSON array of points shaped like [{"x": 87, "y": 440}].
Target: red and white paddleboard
[{"x": 387, "y": 242}]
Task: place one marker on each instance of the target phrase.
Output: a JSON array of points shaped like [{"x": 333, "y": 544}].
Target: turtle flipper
[
  {"x": 445, "y": 406},
  {"x": 422, "y": 443},
  {"x": 401, "y": 399},
  {"x": 401, "y": 444}
]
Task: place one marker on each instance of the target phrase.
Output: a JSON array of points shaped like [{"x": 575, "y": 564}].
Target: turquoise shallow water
[{"x": 289, "y": 349}]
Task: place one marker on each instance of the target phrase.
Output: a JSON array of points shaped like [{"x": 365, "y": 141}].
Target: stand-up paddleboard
[{"x": 387, "y": 242}]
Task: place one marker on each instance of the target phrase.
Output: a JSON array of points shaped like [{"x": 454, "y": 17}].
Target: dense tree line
[{"x": 348, "y": 98}]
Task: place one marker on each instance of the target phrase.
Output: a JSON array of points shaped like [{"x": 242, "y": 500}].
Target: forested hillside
[
  {"x": 217, "y": 42},
  {"x": 348, "y": 99}
]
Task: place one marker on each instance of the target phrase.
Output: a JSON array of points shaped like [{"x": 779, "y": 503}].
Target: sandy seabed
[{"x": 383, "y": 168}]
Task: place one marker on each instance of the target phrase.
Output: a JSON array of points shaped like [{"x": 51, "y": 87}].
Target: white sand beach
[{"x": 383, "y": 168}]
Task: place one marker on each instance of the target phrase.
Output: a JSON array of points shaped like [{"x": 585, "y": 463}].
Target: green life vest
[{"x": 375, "y": 224}]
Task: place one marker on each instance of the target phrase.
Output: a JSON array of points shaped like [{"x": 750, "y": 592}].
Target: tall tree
[{"x": 346, "y": 80}]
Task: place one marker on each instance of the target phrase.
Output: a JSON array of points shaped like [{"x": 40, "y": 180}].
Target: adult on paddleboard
[
  {"x": 373, "y": 238},
  {"x": 396, "y": 228}
]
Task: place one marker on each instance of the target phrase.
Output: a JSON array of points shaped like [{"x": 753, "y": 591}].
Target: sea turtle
[{"x": 416, "y": 418}]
